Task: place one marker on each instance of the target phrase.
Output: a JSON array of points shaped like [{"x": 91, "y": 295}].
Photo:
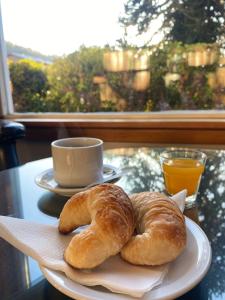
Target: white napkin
[{"x": 46, "y": 245}]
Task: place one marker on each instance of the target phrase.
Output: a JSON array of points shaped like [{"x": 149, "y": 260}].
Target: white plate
[
  {"x": 184, "y": 273},
  {"x": 46, "y": 181}
]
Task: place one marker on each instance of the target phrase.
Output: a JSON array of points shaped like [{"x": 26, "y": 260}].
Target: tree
[{"x": 187, "y": 21}]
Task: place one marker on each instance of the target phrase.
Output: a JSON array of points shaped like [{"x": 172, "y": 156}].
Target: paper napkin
[{"x": 46, "y": 245}]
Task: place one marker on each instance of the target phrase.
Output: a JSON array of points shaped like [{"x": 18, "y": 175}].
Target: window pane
[{"x": 115, "y": 55}]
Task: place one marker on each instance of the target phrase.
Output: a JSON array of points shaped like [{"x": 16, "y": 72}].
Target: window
[{"x": 97, "y": 56}]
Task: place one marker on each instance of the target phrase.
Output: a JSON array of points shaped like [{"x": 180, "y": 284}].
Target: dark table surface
[{"x": 20, "y": 276}]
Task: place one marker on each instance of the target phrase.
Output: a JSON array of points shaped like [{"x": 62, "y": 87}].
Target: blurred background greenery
[{"x": 185, "y": 70}]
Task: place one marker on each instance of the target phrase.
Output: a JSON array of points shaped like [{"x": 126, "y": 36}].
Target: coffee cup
[{"x": 78, "y": 161}]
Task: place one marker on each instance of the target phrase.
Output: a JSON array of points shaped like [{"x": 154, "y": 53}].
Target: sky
[{"x": 59, "y": 27}]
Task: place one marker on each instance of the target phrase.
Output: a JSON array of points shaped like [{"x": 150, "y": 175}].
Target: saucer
[{"x": 46, "y": 181}]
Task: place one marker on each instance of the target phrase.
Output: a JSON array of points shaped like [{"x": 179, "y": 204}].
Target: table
[{"x": 20, "y": 276}]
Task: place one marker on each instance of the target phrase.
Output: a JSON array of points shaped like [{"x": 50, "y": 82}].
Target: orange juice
[{"x": 182, "y": 173}]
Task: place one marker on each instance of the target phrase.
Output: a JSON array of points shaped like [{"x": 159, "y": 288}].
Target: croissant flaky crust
[
  {"x": 161, "y": 230},
  {"x": 109, "y": 210}
]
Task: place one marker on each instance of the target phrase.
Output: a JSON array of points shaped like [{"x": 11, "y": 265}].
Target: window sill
[{"x": 152, "y": 128}]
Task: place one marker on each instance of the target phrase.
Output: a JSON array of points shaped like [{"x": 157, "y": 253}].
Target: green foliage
[
  {"x": 29, "y": 86},
  {"x": 159, "y": 68},
  {"x": 196, "y": 90},
  {"x": 187, "y": 21},
  {"x": 173, "y": 96},
  {"x": 71, "y": 80},
  {"x": 109, "y": 106},
  {"x": 197, "y": 21},
  {"x": 190, "y": 90},
  {"x": 121, "y": 83},
  {"x": 67, "y": 84}
]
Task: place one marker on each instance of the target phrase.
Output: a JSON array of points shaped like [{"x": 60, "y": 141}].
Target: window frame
[{"x": 6, "y": 103}]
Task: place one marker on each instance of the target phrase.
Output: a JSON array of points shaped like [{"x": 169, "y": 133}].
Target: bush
[{"x": 29, "y": 86}]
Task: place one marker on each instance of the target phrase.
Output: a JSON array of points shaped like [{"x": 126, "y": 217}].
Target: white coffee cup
[{"x": 77, "y": 162}]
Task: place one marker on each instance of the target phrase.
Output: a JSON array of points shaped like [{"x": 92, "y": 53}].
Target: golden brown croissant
[
  {"x": 109, "y": 210},
  {"x": 161, "y": 230}
]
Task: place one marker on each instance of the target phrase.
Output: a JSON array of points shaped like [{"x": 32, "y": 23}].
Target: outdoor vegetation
[{"x": 186, "y": 70}]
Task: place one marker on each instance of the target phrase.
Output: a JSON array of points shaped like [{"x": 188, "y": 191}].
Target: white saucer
[
  {"x": 46, "y": 181},
  {"x": 184, "y": 273}
]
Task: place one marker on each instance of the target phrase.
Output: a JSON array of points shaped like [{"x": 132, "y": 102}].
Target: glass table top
[{"x": 20, "y": 197}]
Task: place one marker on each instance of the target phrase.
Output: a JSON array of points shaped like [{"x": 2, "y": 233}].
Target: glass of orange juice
[{"x": 182, "y": 169}]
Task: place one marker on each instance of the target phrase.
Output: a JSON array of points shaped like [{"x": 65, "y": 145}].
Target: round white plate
[
  {"x": 46, "y": 181},
  {"x": 184, "y": 273}
]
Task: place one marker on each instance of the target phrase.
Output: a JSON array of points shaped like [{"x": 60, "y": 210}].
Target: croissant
[
  {"x": 161, "y": 230},
  {"x": 109, "y": 210}
]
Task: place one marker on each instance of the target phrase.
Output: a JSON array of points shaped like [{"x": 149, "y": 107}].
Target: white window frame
[{"x": 6, "y": 106}]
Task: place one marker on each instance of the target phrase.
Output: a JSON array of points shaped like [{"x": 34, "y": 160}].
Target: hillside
[{"x": 21, "y": 52}]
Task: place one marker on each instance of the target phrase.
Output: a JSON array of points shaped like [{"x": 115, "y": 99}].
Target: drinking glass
[{"x": 182, "y": 169}]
